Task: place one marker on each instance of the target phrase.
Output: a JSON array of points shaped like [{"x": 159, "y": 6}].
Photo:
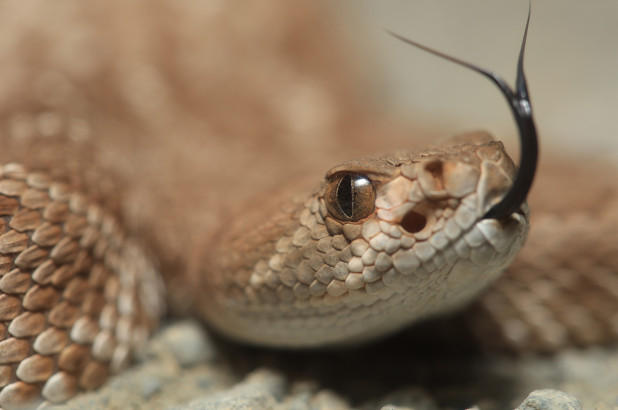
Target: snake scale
[{"x": 141, "y": 168}]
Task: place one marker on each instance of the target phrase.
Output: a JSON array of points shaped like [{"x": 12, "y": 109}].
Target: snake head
[
  {"x": 424, "y": 246},
  {"x": 382, "y": 243}
]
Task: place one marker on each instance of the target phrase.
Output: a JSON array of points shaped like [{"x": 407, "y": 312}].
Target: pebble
[
  {"x": 411, "y": 398},
  {"x": 188, "y": 342},
  {"x": 551, "y": 400},
  {"x": 182, "y": 368},
  {"x": 150, "y": 385},
  {"x": 261, "y": 389}
]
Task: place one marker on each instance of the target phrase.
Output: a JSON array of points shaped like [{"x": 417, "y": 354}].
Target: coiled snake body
[{"x": 99, "y": 200}]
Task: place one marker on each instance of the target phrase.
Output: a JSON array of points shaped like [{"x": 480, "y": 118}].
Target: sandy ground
[{"x": 183, "y": 367}]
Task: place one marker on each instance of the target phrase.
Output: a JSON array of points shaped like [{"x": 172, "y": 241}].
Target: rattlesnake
[{"x": 111, "y": 176}]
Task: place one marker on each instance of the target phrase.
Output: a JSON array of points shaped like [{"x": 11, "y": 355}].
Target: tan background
[{"x": 571, "y": 64}]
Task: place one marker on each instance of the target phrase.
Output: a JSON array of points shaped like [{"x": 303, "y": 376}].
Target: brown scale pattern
[
  {"x": 71, "y": 313},
  {"x": 562, "y": 289}
]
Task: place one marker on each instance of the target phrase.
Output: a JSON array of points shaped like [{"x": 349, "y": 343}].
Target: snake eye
[{"x": 349, "y": 197}]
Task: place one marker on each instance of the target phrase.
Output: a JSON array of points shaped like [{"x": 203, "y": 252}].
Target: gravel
[
  {"x": 185, "y": 367},
  {"x": 550, "y": 399}
]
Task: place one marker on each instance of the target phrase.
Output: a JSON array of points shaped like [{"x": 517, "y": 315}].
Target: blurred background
[{"x": 571, "y": 63}]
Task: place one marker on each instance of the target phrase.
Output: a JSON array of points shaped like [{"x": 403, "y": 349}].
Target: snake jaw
[{"x": 440, "y": 201}]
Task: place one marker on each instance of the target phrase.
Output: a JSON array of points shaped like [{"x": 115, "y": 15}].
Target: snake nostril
[{"x": 413, "y": 222}]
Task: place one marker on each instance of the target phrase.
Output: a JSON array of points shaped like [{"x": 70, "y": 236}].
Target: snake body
[
  {"x": 124, "y": 185},
  {"x": 78, "y": 295}
]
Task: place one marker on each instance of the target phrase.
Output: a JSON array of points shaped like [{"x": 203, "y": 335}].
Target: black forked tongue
[{"x": 519, "y": 101}]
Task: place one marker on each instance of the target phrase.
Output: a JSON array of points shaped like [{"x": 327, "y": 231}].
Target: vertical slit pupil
[{"x": 345, "y": 196}]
